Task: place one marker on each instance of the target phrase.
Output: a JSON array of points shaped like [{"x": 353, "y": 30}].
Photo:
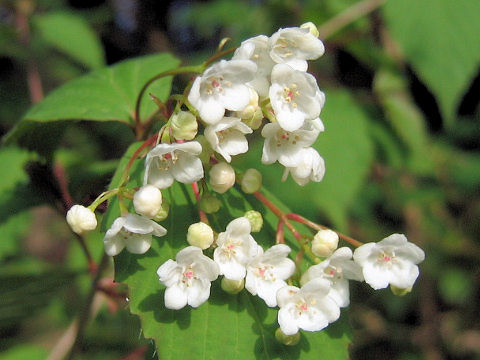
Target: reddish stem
[
  {"x": 280, "y": 214},
  {"x": 196, "y": 191},
  {"x": 280, "y": 238},
  {"x": 315, "y": 226},
  {"x": 137, "y": 153}
]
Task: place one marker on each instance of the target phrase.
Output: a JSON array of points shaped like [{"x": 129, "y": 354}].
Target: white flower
[
  {"x": 188, "y": 278},
  {"x": 147, "y": 201},
  {"x": 267, "y": 273},
  {"x": 131, "y": 231},
  {"x": 390, "y": 261},
  {"x": 236, "y": 248},
  {"x": 293, "y": 46},
  {"x": 81, "y": 219},
  {"x": 200, "y": 235},
  {"x": 184, "y": 125},
  {"x": 325, "y": 242},
  {"x": 222, "y": 177},
  {"x": 294, "y": 96},
  {"x": 311, "y": 167},
  {"x": 257, "y": 49},
  {"x": 227, "y": 137},
  {"x": 222, "y": 87},
  {"x": 309, "y": 308},
  {"x": 338, "y": 269},
  {"x": 285, "y": 146},
  {"x": 168, "y": 162}
]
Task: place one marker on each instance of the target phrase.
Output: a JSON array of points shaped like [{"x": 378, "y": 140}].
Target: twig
[
  {"x": 84, "y": 315},
  {"x": 348, "y": 16},
  {"x": 196, "y": 191},
  {"x": 315, "y": 226}
]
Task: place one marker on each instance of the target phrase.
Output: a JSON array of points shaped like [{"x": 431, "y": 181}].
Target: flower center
[
  {"x": 386, "y": 257},
  {"x": 216, "y": 84},
  {"x": 166, "y": 161},
  {"x": 266, "y": 272},
  {"x": 284, "y": 138},
  {"x": 284, "y": 47},
  {"x": 333, "y": 273},
  {"x": 188, "y": 276},
  {"x": 230, "y": 247},
  {"x": 290, "y": 93}
]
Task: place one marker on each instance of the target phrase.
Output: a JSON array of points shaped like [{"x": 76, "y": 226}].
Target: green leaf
[
  {"x": 446, "y": 52},
  {"x": 108, "y": 94},
  {"x": 72, "y": 35},
  {"x": 25, "y": 351},
  {"x": 226, "y": 326},
  {"x": 12, "y": 229}
]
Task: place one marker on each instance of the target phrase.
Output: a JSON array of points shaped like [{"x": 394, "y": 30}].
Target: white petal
[
  {"x": 287, "y": 321},
  {"x": 187, "y": 169},
  {"x": 160, "y": 178},
  {"x": 286, "y": 294},
  {"x": 139, "y": 244},
  {"x": 363, "y": 252},
  {"x": 113, "y": 245},
  {"x": 376, "y": 277},
  {"x": 211, "y": 111},
  {"x": 175, "y": 297},
  {"x": 165, "y": 270},
  {"x": 198, "y": 293},
  {"x": 340, "y": 293}
]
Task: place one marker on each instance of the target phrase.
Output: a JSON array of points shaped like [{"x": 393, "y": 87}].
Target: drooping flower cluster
[{"x": 265, "y": 79}]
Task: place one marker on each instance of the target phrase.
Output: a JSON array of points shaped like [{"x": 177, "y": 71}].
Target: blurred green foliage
[{"x": 401, "y": 148}]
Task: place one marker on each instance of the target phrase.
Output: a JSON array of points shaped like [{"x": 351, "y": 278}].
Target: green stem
[
  {"x": 102, "y": 198},
  {"x": 181, "y": 70}
]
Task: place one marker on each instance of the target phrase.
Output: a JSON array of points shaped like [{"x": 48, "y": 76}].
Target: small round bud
[
  {"x": 200, "y": 235},
  {"x": 255, "y": 219},
  {"x": 252, "y": 106},
  {"x": 311, "y": 27},
  {"x": 324, "y": 243},
  {"x": 147, "y": 201},
  {"x": 81, "y": 219},
  {"x": 232, "y": 286},
  {"x": 184, "y": 125},
  {"x": 210, "y": 204},
  {"x": 289, "y": 340},
  {"x": 400, "y": 292},
  {"x": 222, "y": 177},
  {"x": 162, "y": 214},
  {"x": 251, "y": 181}
]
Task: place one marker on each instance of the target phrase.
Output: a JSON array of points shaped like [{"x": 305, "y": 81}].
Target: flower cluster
[{"x": 266, "y": 80}]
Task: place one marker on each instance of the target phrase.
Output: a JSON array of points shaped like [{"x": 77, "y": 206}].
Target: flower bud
[
  {"x": 324, "y": 243},
  {"x": 311, "y": 28},
  {"x": 251, "y": 181},
  {"x": 81, "y": 219},
  {"x": 400, "y": 292},
  {"x": 209, "y": 204},
  {"x": 255, "y": 219},
  {"x": 252, "y": 106},
  {"x": 289, "y": 340},
  {"x": 255, "y": 121},
  {"x": 200, "y": 235},
  {"x": 222, "y": 177},
  {"x": 162, "y": 214},
  {"x": 184, "y": 125},
  {"x": 232, "y": 286},
  {"x": 147, "y": 201}
]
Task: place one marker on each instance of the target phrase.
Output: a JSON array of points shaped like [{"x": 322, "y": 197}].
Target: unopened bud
[
  {"x": 210, "y": 204},
  {"x": 222, "y": 177},
  {"x": 324, "y": 243},
  {"x": 255, "y": 219},
  {"x": 252, "y": 106},
  {"x": 81, "y": 219},
  {"x": 289, "y": 340},
  {"x": 251, "y": 181},
  {"x": 311, "y": 28},
  {"x": 255, "y": 121},
  {"x": 147, "y": 201},
  {"x": 200, "y": 235},
  {"x": 162, "y": 214},
  {"x": 399, "y": 291},
  {"x": 184, "y": 125},
  {"x": 232, "y": 286}
]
